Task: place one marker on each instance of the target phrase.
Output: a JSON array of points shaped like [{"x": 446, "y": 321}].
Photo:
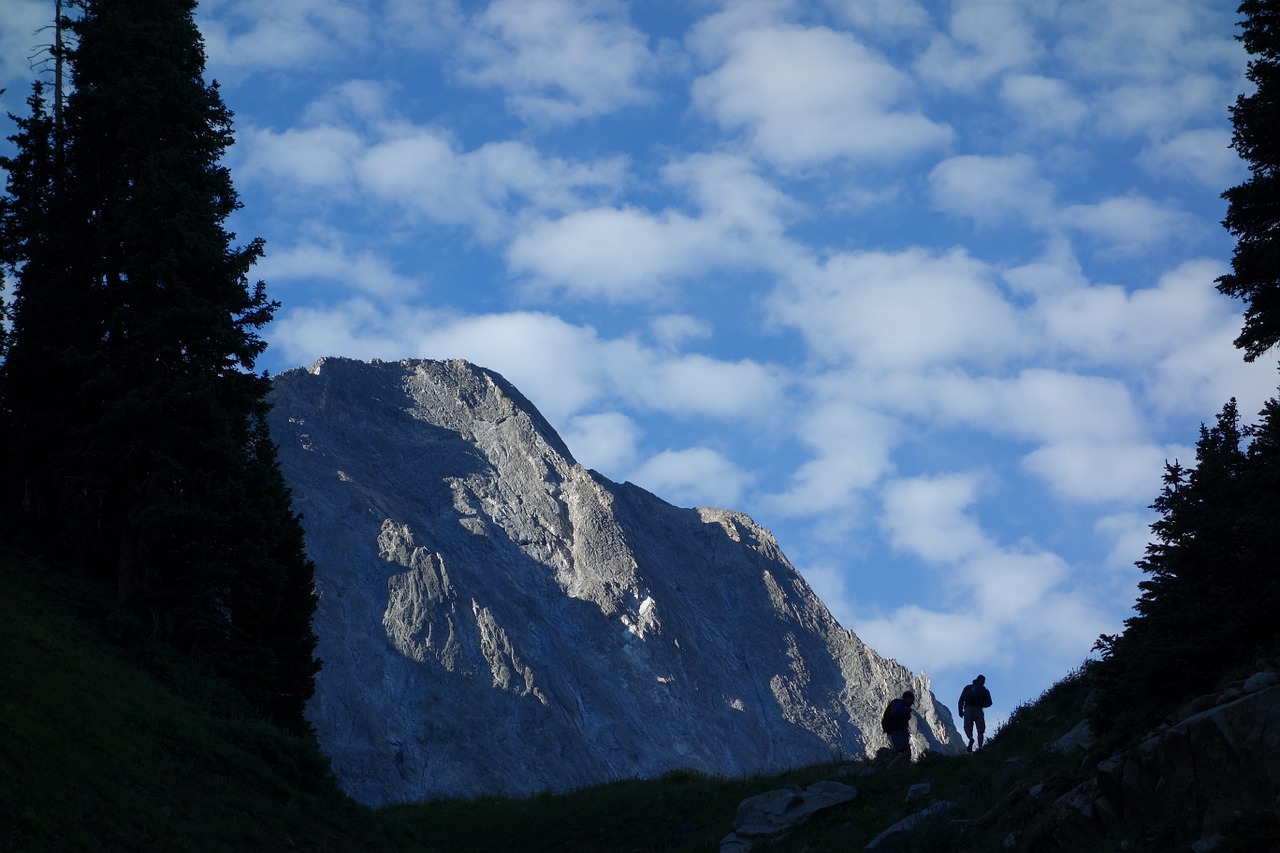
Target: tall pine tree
[
  {"x": 135, "y": 335},
  {"x": 1253, "y": 213}
]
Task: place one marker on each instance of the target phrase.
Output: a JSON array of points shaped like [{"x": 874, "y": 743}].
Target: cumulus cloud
[
  {"x": 1128, "y": 533},
  {"x": 1126, "y": 225},
  {"x": 992, "y": 590},
  {"x": 851, "y": 449},
  {"x": 1109, "y": 323},
  {"x": 605, "y": 441},
  {"x": 673, "y": 330},
  {"x": 305, "y": 159},
  {"x": 926, "y": 517},
  {"x": 359, "y": 270},
  {"x": 807, "y": 96},
  {"x": 984, "y": 38},
  {"x": 882, "y": 15},
  {"x": 244, "y": 35},
  {"x": 423, "y": 170},
  {"x": 619, "y": 254},
  {"x": 992, "y": 190},
  {"x": 697, "y": 476},
  {"x": 559, "y": 61},
  {"x": 485, "y": 188},
  {"x": 1153, "y": 64},
  {"x": 1044, "y": 105},
  {"x": 1140, "y": 40},
  {"x": 1088, "y": 472},
  {"x": 1202, "y": 156},
  {"x": 898, "y": 309},
  {"x": 425, "y": 24},
  {"x": 635, "y": 255}
]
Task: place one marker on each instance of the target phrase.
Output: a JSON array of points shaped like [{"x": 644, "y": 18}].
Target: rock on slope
[{"x": 495, "y": 618}]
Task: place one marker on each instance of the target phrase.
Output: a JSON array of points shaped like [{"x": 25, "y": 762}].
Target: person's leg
[
  {"x": 968, "y": 731},
  {"x": 981, "y": 723},
  {"x": 901, "y": 743}
]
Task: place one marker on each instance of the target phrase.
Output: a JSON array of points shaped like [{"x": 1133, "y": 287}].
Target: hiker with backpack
[
  {"x": 896, "y": 723},
  {"x": 973, "y": 699}
]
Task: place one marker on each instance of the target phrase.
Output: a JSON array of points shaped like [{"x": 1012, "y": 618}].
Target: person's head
[
  {"x": 981, "y": 679},
  {"x": 909, "y": 697}
]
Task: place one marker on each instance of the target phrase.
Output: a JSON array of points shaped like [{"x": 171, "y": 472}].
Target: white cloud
[
  {"x": 1201, "y": 156},
  {"x": 624, "y": 255},
  {"x": 811, "y": 96},
  {"x": 634, "y": 255},
  {"x": 994, "y": 591},
  {"x": 1155, "y": 109},
  {"x": 697, "y": 476},
  {"x": 1088, "y": 472},
  {"x": 879, "y": 16},
  {"x": 559, "y": 61},
  {"x": 1141, "y": 39},
  {"x": 985, "y": 38},
  {"x": 605, "y": 441},
  {"x": 673, "y": 330},
  {"x": 1126, "y": 225},
  {"x": 484, "y": 189},
  {"x": 1110, "y": 324},
  {"x": 992, "y": 190},
  {"x": 357, "y": 146},
  {"x": 1155, "y": 64},
  {"x": 1043, "y": 105},
  {"x": 322, "y": 157},
  {"x": 926, "y": 517},
  {"x": 424, "y": 24},
  {"x": 939, "y": 641},
  {"x": 902, "y": 309},
  {"x": 696, "y": 384},
  {"x": 246, "y": 35},
  {"x": 362, "y": 271},
  {"x": 851, "y": 447},
  {"x": 998, "y": 190},
  {"x": 1129, "y": 533},
  {"x": 1038, "y": 405}
]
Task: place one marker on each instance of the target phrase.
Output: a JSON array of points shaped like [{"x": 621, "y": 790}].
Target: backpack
[{"x": 886, "y": 719}]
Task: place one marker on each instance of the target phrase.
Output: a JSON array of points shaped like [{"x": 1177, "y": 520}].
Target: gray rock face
[
  {"x": 496, "y": 619},
  {"x": 1194, "y": 774}
]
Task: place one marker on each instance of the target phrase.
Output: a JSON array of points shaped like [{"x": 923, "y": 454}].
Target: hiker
[
  {"x": 897, "y": 725},
  {"x": 973, "y": 699}
]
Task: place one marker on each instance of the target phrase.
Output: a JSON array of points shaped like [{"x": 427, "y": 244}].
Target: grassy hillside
[
  {"x": 103, "y": 748},
  {"x": 109, "y": 744}
]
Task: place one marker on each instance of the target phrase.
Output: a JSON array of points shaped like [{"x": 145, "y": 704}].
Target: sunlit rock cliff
[{"x": 495, "y": 618}]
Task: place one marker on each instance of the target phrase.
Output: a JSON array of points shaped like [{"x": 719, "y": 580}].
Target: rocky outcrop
[
  {"x": 1218, "y": 755},
  {"x": 496, "y": 619}
]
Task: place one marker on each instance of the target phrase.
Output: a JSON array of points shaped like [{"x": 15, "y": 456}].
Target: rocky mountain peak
[{"x": 496, "y": 619}]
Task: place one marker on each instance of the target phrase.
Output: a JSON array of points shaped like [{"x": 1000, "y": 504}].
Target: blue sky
[{"x": 925, "y": 288}]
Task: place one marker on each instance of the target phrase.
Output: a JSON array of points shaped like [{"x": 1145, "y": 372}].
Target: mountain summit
[{"x": 496, "y": 619}]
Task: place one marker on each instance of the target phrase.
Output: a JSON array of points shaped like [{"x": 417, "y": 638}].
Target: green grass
[
  {"x": 106, "y": 750},
  {"x": 107, "y": 743}
]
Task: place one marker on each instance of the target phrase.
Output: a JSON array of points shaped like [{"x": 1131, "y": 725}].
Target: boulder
[{"x": 774, "y": 813}]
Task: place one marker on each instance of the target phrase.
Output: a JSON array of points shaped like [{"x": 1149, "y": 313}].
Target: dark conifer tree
[
  {"x": 139, "y": 328},
  {"x": 1212, "y": 589},
  {"x": 1253, "y": 214}
]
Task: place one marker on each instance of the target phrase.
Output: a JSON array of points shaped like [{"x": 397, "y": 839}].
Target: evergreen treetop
[{"x": 1253, "y": 212}]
